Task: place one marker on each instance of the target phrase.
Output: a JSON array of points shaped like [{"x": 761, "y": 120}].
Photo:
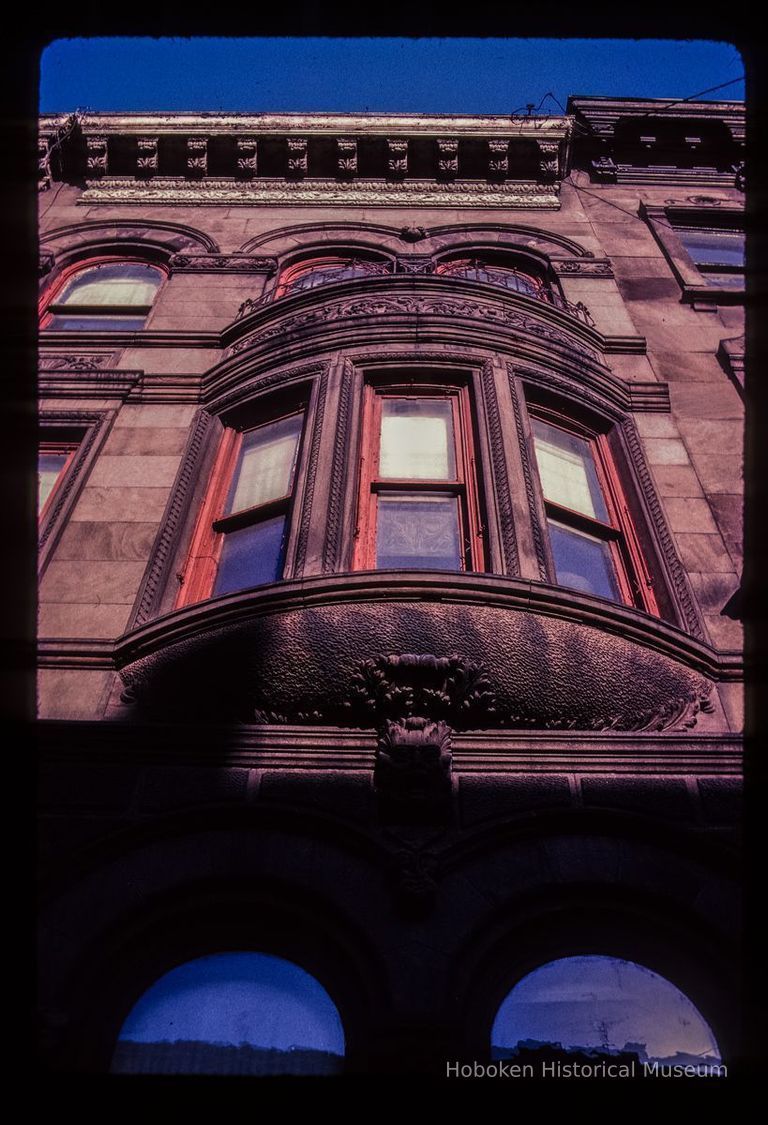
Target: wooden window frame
[
  {"x": 630, "y": 568},
  {"x": 198, "y": 575},
  {"x": 50, "y": 307},
  {"x": 69, "y": 449},
  {"x": 668, "y": 220},
  {"x": 465, "y": 486}
]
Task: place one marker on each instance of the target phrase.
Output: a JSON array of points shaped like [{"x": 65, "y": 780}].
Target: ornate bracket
[
  {"x": 448, "y": 157},
  {"x": 297, "y": 157},
  {"x": 197, "y": 156},
  {"x": 246, "y": 156},
  {"x": 96, "y": 160},
  {"x": 498, "y": 159},
  {"x": 347, "y": 156},
  {"x": 397, "y": 158},
  {"x": 147, "y": 161},
  {"x": 548, "y": 160}
]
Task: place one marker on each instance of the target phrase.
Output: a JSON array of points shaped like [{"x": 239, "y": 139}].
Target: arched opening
[
  {"x": 231, "y": 1013},
  {"x": 106, "y": 295},
  {"x": 326, "y": 269},
  {"x": 606, "y": 1006}
]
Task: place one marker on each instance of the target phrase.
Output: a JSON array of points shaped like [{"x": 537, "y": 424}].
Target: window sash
[
  {"x": 458, "y": 486},
  {"x": 613, "y": 535},
  {"x": 49, "y": 485}
]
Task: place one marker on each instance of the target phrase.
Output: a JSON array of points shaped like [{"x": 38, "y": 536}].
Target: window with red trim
[
  {"x": 104, "y": 296},
  {"x": 313, "y": 272},
  {"x": 53, "y": 460},
  {"x": 593, "y": 544},
  {"x": 493, "y": 273},
  {"x": 241, "y": 536},
  {"x": 418, "y": 503}
]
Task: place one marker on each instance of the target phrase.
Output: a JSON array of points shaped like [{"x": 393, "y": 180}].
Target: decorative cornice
[
  {"x": 682, "y": 589},
  {"x": 222, "y": 263},
  {"x": 251, "y": 193},
  {"x": 77, "y": 382},
  {"x": 333, "y": 526},
  {"x": 498, "y": 313},
  {"x": 649, "y": 398},
  {"x": 149, "y": 592},
  {"x": 500, "y": 474}
]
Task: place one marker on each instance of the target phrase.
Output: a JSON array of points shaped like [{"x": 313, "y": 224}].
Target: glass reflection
[
  {"x": 251, "y": 556},
  {"x": 266, "y": 464},
  {"x": 583, "y": 562},
  {"x": 417, "y": 439},
  {"x": 567, "y": 470},
  {"x": 418, "y": 531}
]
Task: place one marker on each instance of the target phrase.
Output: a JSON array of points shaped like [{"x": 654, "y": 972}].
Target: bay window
[
  {"x": 592, "y": 541},
  {"x": 241, "y": 535},
  {"x": 418, "y": 504}
]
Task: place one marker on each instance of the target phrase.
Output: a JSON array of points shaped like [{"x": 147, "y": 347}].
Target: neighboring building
[{"x": 390, "y": 559}]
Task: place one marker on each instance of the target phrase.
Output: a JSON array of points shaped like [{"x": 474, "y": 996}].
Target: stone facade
[{"x": 234, "y": 772}]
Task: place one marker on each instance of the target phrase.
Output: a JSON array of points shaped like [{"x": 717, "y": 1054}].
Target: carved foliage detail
[
  {"x": 397, "y": 157},
  {"x": 96, "y": 158},
  {"x": 247, "y": 155},
  {"x": 439, "y": 689},
  {"x": 448, "y": 157},
  {"x": 229, "y": 263},
  {"x": 413, "y": 766},
  {"x": 297, "y": 156},
  {"x": 197, "y": 155},
  {"x": 333, "y": 526},
  {"x": 347, "y": 155},
  {"x": 311, "y": 475}
]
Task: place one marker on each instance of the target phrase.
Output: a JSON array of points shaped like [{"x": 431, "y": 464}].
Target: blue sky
[{"x": 386, "y": 74}]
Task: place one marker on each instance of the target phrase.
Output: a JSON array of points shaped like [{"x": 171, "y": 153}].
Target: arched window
[
  {"x": 493, "y": 271},
  {"x": 107, "y": 296},
  {"x": 325, "y": 270},
  {"x": 605, "y": 1005},
  {"x": 232, "y": 1013}
]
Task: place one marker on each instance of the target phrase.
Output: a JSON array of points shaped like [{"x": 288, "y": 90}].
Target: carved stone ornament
[
  {"x": 497, "y": 314},
  {"x": 385, "y": 193},
  {"x": 412, "y": 775},
  {"x": 247, "y": 157},
  {"x": 147, "y": 160},
  {"x": 347, "y": 155},
  {"x": 421, "y": 685},
  {"x": 582, "y": 267},
  {"x": 59, "y": 361},
  {"x": 415, "y": 263},
  {"x": 397, "y": 157},
  {"x": 412, "y": 233},
  {"x": 43, "y": 163},
  {"x": 222, "y": 263},
  {"x": 197, "y": 155},
  {"x": 498, "y": 159},
  {"x": 548, "y": 160},
  {"x": 604, "y": 168},
  {"x": 297, "y": 156},
  {"x": 96, "y": 159},
  {"x": 448, "y": 157}
]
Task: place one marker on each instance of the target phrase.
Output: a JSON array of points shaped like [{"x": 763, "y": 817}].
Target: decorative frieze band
[
  {"x": 582, "y": 267},
  {"x": 398, "y": 193},
  {"x": 222, "y": 263}
]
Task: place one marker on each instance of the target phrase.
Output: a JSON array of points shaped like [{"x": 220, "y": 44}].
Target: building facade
[{"x": 390, "y": 553}]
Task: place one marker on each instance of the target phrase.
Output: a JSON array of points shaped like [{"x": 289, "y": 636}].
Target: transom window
[
  {"x": 418, "y": 505},
  {"x": 324, "y": 271},
  {"x": 507, "y": 277},
  {"x": 593, "y": 545},
  {"x": 241, "y": 537},
  {"x": 109, "y": 296}
]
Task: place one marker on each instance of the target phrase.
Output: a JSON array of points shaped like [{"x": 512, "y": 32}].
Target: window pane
[
  {"x": 251, "y": 556},
  {"x": 583, "y": 562},
  {"x": 418, "y": 530},
  {"x": 725, "y": 280},
  {"x": 714, "y": 247},
  {"x": 96, "y": 323},
  {"x": 417, "y": 440},
  {"x": 122, "y": 283},
  {"x": 567, "y": 470},
  {"x": 49, "y": 466},
  {"x": 266, "y": 464}
]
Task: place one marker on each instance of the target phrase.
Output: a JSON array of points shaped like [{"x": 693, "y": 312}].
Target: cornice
[
  {"x": 76, "y": 382},
  {"x": 316, "y": 124},
  {"x": 307, "y": 747},
  {"x": 262, "y": 192}
]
